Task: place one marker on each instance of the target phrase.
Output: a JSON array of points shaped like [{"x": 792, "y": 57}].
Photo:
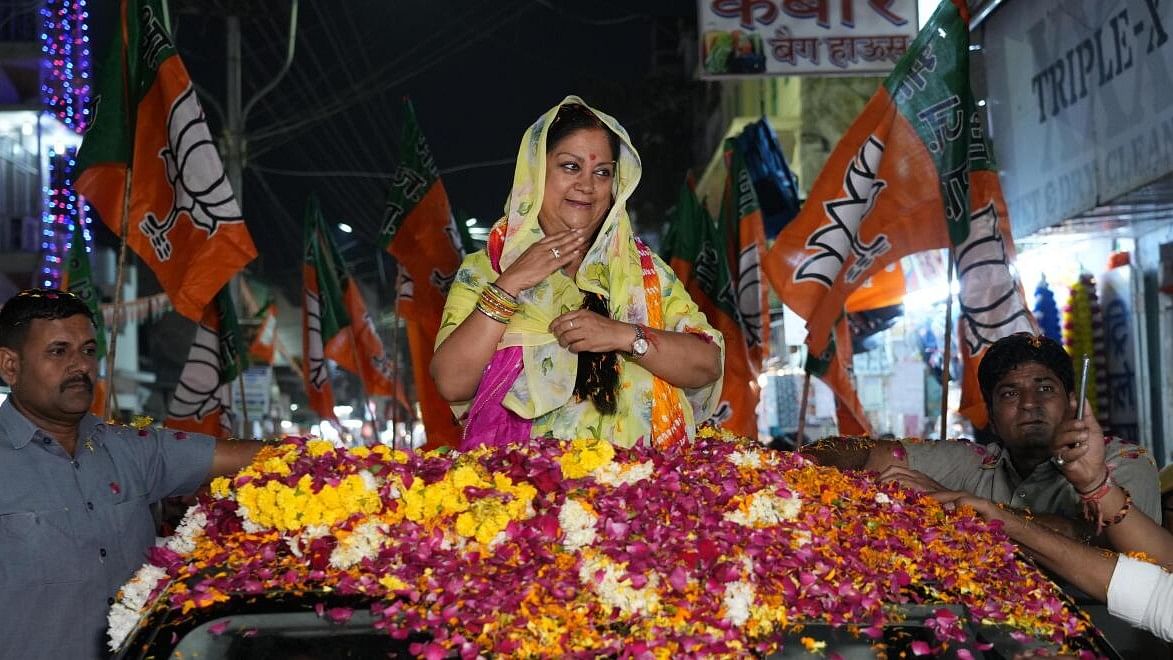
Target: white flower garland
[
  {"x": 617, "y": 474},
  {"x": 131, "y": 601},
  {"x": 766, "y": 509},
  {"x": 578, "y": 525},
  {"x": 609, "y": 581}
]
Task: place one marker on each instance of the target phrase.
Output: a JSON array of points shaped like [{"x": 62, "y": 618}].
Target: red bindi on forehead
[{"x": 592, "y": 157}]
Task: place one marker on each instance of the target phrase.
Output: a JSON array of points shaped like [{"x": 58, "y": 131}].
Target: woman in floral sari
[{"x": 566, "y": 324}]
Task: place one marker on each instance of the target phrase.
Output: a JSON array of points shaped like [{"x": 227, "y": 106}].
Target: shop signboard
[
  {"x": 1120, "y": 352},
  {"x": 1080, "y": 100},
  {"x": 258, "y": 382},
  {"x": 741, "y": 38}
]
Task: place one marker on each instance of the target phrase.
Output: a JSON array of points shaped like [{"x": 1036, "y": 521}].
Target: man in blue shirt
[{"x": 75, "y": 519}]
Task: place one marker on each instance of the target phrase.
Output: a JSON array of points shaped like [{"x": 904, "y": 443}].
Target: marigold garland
[
  {"x": 554, "y": 548},
  {"x": 1083, "y": 334}
]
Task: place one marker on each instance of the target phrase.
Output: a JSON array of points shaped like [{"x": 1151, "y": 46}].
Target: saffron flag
[
  {"x": 420, "y": 231},
  {"x": 202, "y": 402},
  {"x": 264, "y": 345},
  {"x": 833, "y": 367},
  {"x": 355, "y": 345},
  {"x": 745, "y": 242},
  {"x": 898, "y": 182},
  {"x": 320, "y": 318},
  {"x": 696, "y": 252},
  {"x": 148, "y": 130},
  {"x": 991, "y": 300}
]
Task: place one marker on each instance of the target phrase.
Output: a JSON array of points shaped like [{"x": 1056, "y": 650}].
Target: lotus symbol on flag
[
  {"x": 200, "y": 185},
  {"x": 200, "y": 391},
  {"x": 319, "y": 374},
  {"x": 989, "y": 295},
  {"x": 839, "y": 239},
  {"x": 404, "y": 286},
  {"x": 722, "y": 414},
  {"x": 749, "y": 300}
]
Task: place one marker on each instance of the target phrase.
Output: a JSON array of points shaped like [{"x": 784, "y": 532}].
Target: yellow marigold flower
[
  {"x": 584, "y": 456},
  {"x": 392, "y": 583},
  {"x": 464, "y": 476},
  {"x": 360, "y": 452},
  {"x": 318, "y": 448},
  {"x": 275, "y": 466},
  {"x": 221, "y": 487}
]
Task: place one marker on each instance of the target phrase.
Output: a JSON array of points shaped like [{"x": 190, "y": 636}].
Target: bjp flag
[
  {"x": 912, "y": 173},
  {"x": 322, "y": 315},
  {"x": 148, "y": 136},
  {"x": 264, "y": 345},
  {"x": 697, "y": 254},
  {"x": 992, "y": 301},
  {"x": 420, "y": 231},
  {"x": 353, "y": 342},
  {"x": 202, "y": 402}
]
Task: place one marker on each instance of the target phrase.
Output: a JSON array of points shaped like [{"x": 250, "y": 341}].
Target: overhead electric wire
[
  {"x": 508, "y": 13},
  {"x": 590, "y": 21},
  {"x": 358, "y": 174},
  {"x": 330, "y": 141},
  {"x": 436, "y": 41}
]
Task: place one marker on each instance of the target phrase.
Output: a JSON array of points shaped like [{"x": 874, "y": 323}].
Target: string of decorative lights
[
  {"x": 63, "y": 208},
  {"x": 65, "y": 61}
]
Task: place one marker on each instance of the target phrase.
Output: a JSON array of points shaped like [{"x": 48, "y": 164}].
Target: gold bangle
[
  {"x": 492, "y": 295},
  {"x": 496, "y": 316},
  {"x": 503, "y": 293}
]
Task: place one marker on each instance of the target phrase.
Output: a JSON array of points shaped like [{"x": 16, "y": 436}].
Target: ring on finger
[
  {"x": 571, "y": 324},
  {"x": 556, "y": 253}
]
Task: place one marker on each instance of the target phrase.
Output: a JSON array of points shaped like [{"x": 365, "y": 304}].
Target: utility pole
[
  {"x": 234, "y": 144},
  {"x": 236, "y": 111},
  {"x": 234, "y": 138}
]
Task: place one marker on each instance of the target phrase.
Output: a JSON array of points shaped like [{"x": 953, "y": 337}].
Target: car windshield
[{"x": 285, "y": 635}]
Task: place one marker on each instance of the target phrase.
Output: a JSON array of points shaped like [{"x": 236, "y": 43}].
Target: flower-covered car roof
[{"x": 576, "y": 548}]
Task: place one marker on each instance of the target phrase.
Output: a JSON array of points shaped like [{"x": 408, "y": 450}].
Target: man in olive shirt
[
  {"x": 75, "y": 492},
  {"x": 1028, "y": 385}
]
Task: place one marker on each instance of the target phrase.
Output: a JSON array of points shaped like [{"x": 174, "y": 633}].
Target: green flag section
[
  {"x": 912, "y": 173},
  {"x": 351, "y": 339},
  {"x": 696, "y": 252},
  {"x": 202, "y": 402},
  {"x": 78, "y": 280},
  {"x": 420, "y": 232},
  {"x": 320, "y": 310},
  {"x": 147, "y": 134}
]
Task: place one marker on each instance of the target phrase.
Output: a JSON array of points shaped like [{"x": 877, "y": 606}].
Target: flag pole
[
  {"x": 111, "y": 362},
  {"x": 806, "y": 391},
  {"x": 948, "y": 346},
  {"x": 247, "y": 428},
  {"x": 395, "y": 383}
]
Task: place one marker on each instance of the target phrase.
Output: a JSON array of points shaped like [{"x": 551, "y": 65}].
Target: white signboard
[
  {"x": 1081, "y": 102},
  {"x": 796, "y": 37},
  {"x": 257, "y": 386}
]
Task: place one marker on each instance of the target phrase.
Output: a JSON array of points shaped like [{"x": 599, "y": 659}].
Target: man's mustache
[{"x": 78, "y": 380}]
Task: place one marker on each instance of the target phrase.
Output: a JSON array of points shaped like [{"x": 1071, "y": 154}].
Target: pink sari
[{"x": 488, "y": 421}]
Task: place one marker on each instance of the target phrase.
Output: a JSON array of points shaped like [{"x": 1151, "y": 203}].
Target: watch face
[{"x": 639, "y": 347}]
